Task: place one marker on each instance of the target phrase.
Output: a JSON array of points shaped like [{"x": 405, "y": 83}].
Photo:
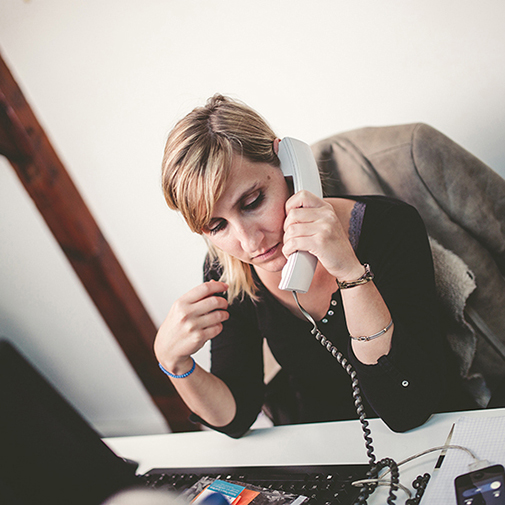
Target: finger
[
  {"x": 204, "y": 313},
  {"x": 311, "y": 237},
  {"x": 207, "y": 327},
  {"x": 213, "y": 318},
  {"x": 210, "y": 304},
  {"x": 296, "y": 244},
  {"x": 204, "y": 290},
  {"x": 295, "y": 230},
  {"x": 197, "y": 330},
  {"x": 211, "y": 332},
  {"x": 320, "y": 211},
  {"x": 302, "y": 215},
  {"x": 303, "y": 198},
  {"x": 187, "y": 311}
]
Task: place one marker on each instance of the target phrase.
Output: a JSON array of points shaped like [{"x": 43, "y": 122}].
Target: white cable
[
  {"x": 433, "y": 449},
  {"x": 380, "y": 482}
]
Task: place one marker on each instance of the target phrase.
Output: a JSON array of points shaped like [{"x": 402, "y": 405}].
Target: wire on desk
[
  {"x": 380, "y": 482},
  {"x": 433, "y": 449}
]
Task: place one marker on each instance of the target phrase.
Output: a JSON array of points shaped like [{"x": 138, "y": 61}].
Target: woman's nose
[{"x": 250, "y": 237}]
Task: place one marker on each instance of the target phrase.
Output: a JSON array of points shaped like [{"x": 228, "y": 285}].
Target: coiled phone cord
[{"x": 375, "y": 467}]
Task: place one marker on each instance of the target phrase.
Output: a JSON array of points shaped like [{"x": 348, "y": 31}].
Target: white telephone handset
[{"x": 297, "y": 161}]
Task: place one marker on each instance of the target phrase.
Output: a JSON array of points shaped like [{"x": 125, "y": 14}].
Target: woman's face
[{"x": 248, "y": 218}]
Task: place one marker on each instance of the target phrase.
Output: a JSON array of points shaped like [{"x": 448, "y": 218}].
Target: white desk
[{"x": 323, "y": 443}]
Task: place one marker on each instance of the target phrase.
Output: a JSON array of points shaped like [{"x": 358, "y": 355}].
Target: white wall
[{"x": 109, "y": 78}]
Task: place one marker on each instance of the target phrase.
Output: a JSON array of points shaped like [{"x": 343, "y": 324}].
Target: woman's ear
[{"x": 276, "y": 146}]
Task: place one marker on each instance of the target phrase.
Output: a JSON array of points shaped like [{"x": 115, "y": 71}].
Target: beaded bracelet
[
  {"x": 182, "y": 376},
  {"x": 375, "y": 335}
]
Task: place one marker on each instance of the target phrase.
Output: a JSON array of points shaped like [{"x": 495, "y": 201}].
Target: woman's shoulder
[
  {"x": 393, "y": 222},
  {"x": 381, "y": 207},
  {"x": 382, "y": 210},
  {"x": 378, "y": 201}
]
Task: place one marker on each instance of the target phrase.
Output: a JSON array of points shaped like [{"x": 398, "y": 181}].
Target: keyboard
[{"x": 321, "y": 484}]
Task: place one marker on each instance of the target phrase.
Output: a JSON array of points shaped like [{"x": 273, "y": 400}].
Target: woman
[{"x": 221, "y": 171}]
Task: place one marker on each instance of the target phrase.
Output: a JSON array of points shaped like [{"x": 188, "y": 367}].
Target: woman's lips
[{"x": 267, "y": 254}]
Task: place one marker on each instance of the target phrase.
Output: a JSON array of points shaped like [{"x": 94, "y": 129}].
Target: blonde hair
[{"x": 196, "y": 165}]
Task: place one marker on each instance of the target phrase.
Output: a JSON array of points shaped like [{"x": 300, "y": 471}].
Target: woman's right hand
[{"x": 194, "y": 318}]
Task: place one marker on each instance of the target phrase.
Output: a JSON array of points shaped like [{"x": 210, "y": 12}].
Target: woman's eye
[
  {"x": 256, "y": 201},
  {"x": 221, "y": 225}
]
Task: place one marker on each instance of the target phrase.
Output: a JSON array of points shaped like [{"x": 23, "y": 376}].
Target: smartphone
[
  {"x": 298, "y": 163},
  {"x": 481, "y": 487}
]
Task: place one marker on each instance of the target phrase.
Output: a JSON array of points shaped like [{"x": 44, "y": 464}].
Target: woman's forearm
[
  {"x": 207, "y": 396},
  {"x": 367, "y": 314}
]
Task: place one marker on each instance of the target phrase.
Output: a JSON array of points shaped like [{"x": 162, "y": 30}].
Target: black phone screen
[{"x": 481, "y": 487}]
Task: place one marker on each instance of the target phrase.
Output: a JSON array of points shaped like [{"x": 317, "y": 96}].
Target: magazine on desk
[{"x": 239, "y": 493}]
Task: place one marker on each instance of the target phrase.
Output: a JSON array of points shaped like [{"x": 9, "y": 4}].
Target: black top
[{"x": 404, "y": 388}]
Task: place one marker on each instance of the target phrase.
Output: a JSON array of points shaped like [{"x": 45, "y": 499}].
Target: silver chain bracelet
[{"x": 375, "y": 335}]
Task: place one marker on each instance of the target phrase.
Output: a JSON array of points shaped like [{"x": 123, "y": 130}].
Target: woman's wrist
[
  {"x": 364, "y": 278},
  {"x": 178, "y": 368},
  {"x": 356, "y": 271},
  {"x": 179, "y": 376}
]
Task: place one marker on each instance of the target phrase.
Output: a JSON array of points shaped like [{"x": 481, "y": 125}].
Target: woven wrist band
[
  {"x": 366, "y": 277},
  {"x": 182, "y": 376},
  {"x": 375, "y": 335}
]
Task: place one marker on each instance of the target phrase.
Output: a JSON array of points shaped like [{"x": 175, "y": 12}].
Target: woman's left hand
[{"x": 312, "y": 225}]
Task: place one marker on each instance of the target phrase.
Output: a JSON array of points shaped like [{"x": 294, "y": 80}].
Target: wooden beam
[{"x": 24, "y": 143}]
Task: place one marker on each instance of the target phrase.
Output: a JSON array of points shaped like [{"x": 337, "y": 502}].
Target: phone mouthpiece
[{"x": 298, "y": 272}]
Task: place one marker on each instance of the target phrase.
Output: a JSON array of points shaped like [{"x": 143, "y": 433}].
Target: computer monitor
[{"x": 48, "y": 453}]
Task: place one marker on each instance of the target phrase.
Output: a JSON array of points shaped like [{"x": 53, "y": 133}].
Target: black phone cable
[
  {"x": 375, "y": 467},
  {"x": 420, "y": 486}
]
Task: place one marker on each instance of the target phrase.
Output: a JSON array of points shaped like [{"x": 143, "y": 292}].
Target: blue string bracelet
[{"x": 182, "y": 376}]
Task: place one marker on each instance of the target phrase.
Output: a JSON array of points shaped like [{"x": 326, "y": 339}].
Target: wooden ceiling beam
[{"x": 24, "y": 143}]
